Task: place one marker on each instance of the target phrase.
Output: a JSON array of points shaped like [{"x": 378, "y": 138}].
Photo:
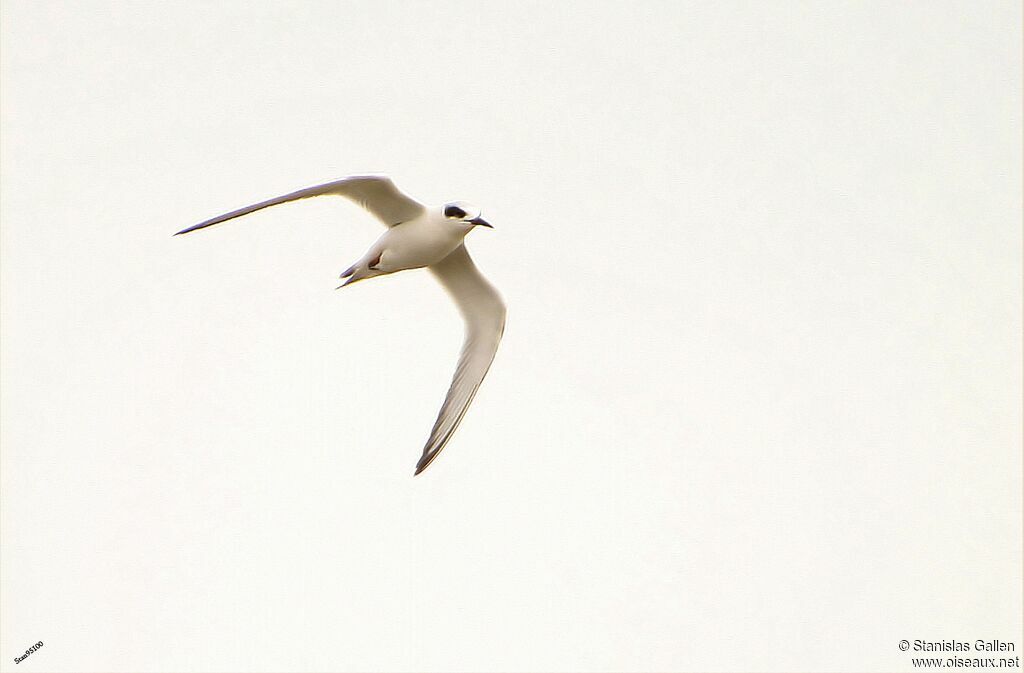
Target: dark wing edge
[
  {"x": 376, "y": 193},
  {"x": 484, "y": 313}
]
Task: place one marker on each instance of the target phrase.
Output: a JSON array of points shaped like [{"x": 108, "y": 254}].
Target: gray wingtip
[{"x": 424, "y": 463}]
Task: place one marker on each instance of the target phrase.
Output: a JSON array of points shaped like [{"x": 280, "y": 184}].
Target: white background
[{"x": 759, "y": 400}]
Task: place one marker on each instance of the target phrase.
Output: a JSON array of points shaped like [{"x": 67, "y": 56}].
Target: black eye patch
[{"x": 454, "y": 211}]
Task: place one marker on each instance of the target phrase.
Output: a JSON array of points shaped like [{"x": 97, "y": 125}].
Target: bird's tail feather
[{"x": 350, "y": 274}]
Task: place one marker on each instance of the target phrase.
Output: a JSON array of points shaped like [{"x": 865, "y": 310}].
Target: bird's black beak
[{"x": 479, "y": 221}]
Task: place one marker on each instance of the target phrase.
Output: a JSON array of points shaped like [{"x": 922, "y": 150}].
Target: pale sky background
[{"x": 758, "y": 406}]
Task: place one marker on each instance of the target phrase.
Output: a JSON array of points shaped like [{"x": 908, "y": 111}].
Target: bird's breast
[{"x": 416, "y": 244}]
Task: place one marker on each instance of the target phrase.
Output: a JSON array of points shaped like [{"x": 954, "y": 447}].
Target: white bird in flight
[{"x": 420, "y": 236}]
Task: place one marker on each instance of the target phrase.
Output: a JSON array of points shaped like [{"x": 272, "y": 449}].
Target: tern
[{"x": 420, "y": 236}]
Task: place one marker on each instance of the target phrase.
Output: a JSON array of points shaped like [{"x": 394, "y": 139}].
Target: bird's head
[{"x": 465, "y": 214}]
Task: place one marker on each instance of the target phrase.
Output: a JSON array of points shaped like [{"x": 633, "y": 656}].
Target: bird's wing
[
  {"x": 484, "y": 312},
  {"x": 375, "y": 193}
]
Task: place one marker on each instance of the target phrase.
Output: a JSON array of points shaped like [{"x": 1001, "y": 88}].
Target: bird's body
[
  {"x": 417, "y": 237},
  {"x": 420, "y": 242}
]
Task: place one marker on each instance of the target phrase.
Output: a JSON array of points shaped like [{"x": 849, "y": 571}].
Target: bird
[{"x": 419, "y": 236}]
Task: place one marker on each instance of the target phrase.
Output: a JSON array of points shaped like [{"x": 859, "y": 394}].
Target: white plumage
[{"x": 417, "y": 237}]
